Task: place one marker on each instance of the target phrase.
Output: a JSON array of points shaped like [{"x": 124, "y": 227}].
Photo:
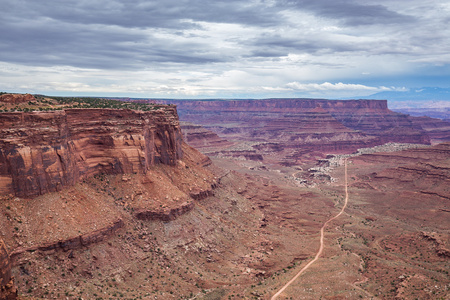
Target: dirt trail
[{"x": 321, "y": 239}]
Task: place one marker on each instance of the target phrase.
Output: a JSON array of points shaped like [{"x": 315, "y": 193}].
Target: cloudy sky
[{"x": 223, "y": 49}]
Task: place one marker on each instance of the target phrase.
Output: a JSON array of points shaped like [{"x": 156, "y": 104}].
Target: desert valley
[{"x": 221, "y": 199}]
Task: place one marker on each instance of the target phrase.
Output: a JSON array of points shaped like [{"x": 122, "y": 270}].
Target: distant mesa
[{"x": 290, "y": 128}]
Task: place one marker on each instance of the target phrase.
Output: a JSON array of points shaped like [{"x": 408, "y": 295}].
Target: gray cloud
[
  {"x": 124, "y": 34},
  {"x": 145, "y": 14},
  {"x": 351, "y": 13},
  {"x": 214, "y": 39},
  {"x": 53, "y": 42}
]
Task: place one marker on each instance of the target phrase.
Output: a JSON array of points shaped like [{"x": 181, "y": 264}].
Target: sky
[{"x": 223, "y": 49}]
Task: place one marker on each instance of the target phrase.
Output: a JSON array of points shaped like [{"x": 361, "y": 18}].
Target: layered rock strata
[
  {"x": 41, "y": 152},
  {"x": 314, "y": 124},
  {"x": 75, "y": 242},
  {"x": 202, "y": 139},
  {"x": 437, "y": 130},
  {"x": 423, "y": 170}
]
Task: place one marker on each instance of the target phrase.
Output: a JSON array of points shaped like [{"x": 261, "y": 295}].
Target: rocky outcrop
[
  {"x": 165, "y": 215},
  {"x": 16, "y": 98},
  {"x": 41, "y": 152},
  {"x": 74, "y": 242},
  {"x": 7, "y": 289},
  {"x": 200, "y": 194},
  {"x": 441, "y": 250}
]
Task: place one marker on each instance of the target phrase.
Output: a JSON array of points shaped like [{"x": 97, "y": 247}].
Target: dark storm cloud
[
  {"x": 47, "y": 41},
  {"x": 116, "y": 34},
  {"x": 112, "y": 34},
  {"x": 145, "y": 14}
]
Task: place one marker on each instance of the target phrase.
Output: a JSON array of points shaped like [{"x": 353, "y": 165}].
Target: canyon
[
  {"x": 104, "y": 202},
  {"x": 288, "y": 131}
]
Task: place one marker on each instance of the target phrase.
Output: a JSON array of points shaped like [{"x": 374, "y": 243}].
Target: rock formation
[
  {"x": 438, "y": 130},
  {"x": 16, "y": 98},
  {"x": 423, "y": 170},
  {"x": 292, "y": 127},
  {"x": 74, "y": 242},
  {"x": 43, "y": 151},
  {"x": 303, "y": 117},
  {"x": 202, "y": 139},
  {"x": 7, "y": 288}
]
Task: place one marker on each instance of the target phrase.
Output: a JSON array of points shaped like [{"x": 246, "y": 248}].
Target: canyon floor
[{"x": 257, "y": 229}]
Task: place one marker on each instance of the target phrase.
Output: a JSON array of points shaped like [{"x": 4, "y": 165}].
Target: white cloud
[
  {"x": 326, "y": 86},
  {"x": 339, "y": 89}
]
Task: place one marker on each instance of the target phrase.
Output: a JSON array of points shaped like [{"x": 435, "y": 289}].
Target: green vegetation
[
  {"x": 88, "y": 102},
  {"x": 46, "y": 103}
]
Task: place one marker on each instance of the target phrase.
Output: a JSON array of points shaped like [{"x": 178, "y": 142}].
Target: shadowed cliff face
[{"x": 41, "y": 152}]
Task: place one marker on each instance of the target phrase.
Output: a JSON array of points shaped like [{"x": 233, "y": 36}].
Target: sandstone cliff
[
  {"x": 290, "y": 128},
  {"x": 41, "y": 152},
  {"x": 302, "y": 116}
]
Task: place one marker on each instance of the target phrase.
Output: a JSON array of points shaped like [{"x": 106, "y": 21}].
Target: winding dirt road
[{"x": 321, "y": 239}]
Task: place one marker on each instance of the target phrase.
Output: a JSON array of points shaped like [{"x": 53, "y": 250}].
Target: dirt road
[{"x": 321, "y": 239}]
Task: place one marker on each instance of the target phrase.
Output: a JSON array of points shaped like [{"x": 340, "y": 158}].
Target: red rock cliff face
[
  {"x": 315, "y": 124},
  {"x": 41, "y": 152},
  {"x": 284, "y": 105},
  {"x": 368, "y": 116}
]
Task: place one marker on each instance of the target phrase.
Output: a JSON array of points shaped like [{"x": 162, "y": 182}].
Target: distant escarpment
[
  {"x": 42, "y": 152},
  {"x": 292, "y": 126}
]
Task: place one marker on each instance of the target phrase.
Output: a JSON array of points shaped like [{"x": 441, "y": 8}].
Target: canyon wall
[
  {"x": 289, "y": 127},
  {"x": 300, "y": 116},
  {"x": 41, "y": 152},
  {"x": 282, "y": 105}
]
